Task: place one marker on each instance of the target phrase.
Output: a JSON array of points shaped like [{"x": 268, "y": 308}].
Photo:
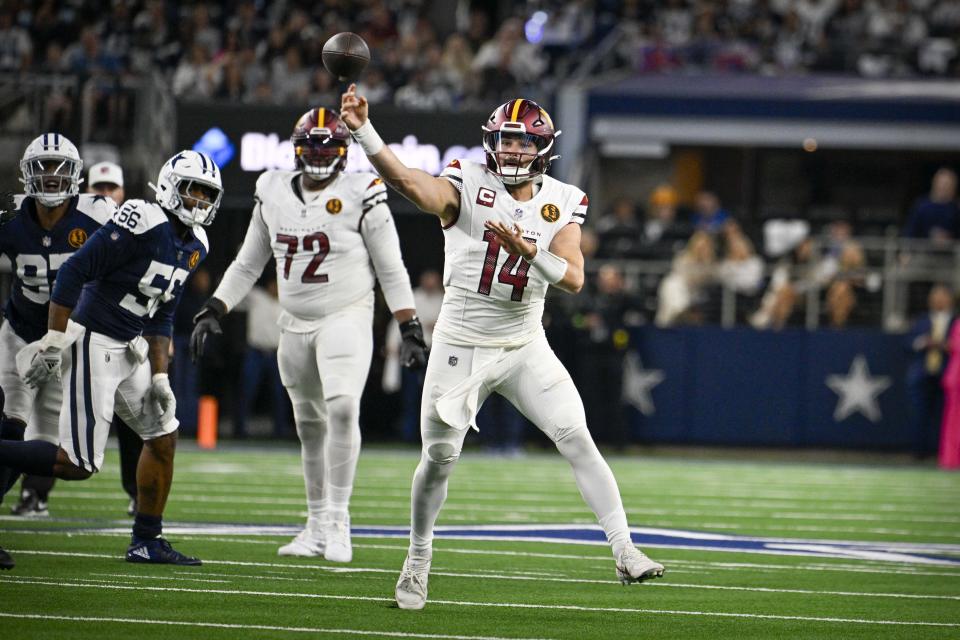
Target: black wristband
[{"x": 214, "y": 307}]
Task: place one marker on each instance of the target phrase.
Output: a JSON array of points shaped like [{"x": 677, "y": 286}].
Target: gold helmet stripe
[
  {"x": 320, "y": 116},
  {"x": 516, "y": 110}
]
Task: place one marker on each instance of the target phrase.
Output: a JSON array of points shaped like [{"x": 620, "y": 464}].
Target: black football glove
[
  {"x": 206, "y": 322},
  {"x": 8, "y": 209},
  {"x": 413, "y": 349}
]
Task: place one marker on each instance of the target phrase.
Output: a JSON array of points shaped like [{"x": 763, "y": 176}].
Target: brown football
[{"x": 345, "y": 55}]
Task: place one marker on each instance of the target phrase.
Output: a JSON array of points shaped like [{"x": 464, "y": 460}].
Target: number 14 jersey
[{"x": 494, "y": 299}]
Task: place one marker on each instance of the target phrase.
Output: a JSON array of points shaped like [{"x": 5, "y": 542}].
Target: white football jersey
[
  {"x": 492, "y": 298},
  {"x": 323, "y": 243}
]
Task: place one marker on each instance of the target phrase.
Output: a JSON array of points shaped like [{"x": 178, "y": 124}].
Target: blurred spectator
[
  {"x": 508, "y": 59},
  {"x": 685, "y": 286},
  {"x": 927, "y": 341},
  {"x": 260, "y": 360},
  {"x": 793, "y": 276},
  {"x": 949, "y": 456},
  {"x": 106, "y": 179},
  {"x": 290, "y": 79},
  {"x": 373, "y": 87},
  {"x": 456, "y": 61},
  {"x": 183, "y": 371},
  {"x": 709, "y": 216},
  {"x": 841, "y": 298},
  {"x": 195, "y": 78},
  {"x": 619, "y": 230},
  {"x": 741, "y": 269},
  {"x": 427, "y": 297},
  {"x": 662, "y": 232},
  {"x": 419, "y": 95},
  {"x": 501, "y": 426},
  {"x": 937, "y": 216},
  {"x": 605, "y": 320},
  {"x": 16, "y": 47}
]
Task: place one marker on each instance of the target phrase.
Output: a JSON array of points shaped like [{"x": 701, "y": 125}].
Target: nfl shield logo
[
  {"x": 517, "y": 213},
  {"x": 452, "y": 361},
  {"x": 46, "y": 241}
]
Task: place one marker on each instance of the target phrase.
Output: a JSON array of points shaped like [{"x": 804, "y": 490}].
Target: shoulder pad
[
  {"x": 139, "y": 216},
  {"x": 269, "y": 181},
  {"x": 201, "y": 234},
  {"x": 19, "y": 199},
  {"x": 100, "y": 208}
]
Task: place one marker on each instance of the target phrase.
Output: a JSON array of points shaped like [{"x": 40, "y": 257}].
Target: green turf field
[{"x": 70, "y": 580}]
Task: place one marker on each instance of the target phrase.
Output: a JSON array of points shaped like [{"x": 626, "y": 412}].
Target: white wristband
[
  {"x": 160, "y": 376},
  {"x": 368, "y": 139},
  {"x": 54, "y": 339},
  {"x": 551, "y": 266}
]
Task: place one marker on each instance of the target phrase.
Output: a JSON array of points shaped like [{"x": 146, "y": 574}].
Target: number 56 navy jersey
[{"x": 128, "y": 277}]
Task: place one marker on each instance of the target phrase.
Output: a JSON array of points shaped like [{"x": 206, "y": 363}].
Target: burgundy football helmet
[
  {"x": 524, "y": 122},
  {"x": 320, "y": 139}
]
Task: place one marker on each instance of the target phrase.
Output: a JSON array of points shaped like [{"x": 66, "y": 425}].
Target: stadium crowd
[{"x": 258, "y": 52}]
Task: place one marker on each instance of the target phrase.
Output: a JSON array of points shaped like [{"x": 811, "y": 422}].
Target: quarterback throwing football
[{"x": 511, "y": 231}]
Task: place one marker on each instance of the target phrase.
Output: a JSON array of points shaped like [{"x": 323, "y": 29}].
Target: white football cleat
[
  {"x": 309, "y": 543},
  {"x": 339, "y": 548},
  {"x": 411, "y": 592},
  {"x": 634, "y": 566}
]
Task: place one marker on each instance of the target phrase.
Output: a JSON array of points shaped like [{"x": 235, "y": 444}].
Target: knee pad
[
  {"x": 311, "y": 431},
  {"x": 441, "y": 453},
  {"x": 343, "y": 413},
  {"x": 576, "y": 444}
]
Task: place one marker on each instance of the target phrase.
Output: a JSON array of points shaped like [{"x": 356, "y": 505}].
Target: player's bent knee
[
  {"x": 163, "y": 447},
  {"x": 442, "y": 453},
  {"x": 566, "y": 432}
]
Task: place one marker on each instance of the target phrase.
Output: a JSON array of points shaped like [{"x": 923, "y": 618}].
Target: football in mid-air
[{"x": 345, "y": 55}]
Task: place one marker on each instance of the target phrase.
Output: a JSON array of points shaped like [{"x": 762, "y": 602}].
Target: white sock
[
  {"x": 342, "y": 453},
  {"x": 597, "y": 486},
  {"x": 427, "y": 496},
  {"x": 311, "y": 435}
]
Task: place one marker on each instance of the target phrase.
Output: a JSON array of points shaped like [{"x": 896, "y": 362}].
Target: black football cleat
[
  {"x": 6, "y": 560},
  {"x": 158, "y": 551}
]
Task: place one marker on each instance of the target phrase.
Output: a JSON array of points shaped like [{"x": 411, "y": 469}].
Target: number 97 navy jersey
[
  {"x": 37, "y": 254},
  {"x": 128, "y": 277}
]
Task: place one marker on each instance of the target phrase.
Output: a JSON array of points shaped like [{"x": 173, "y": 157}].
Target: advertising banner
[{"x": 246, "y": 140}]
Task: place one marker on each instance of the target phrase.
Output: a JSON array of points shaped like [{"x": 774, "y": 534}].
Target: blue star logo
[{"x": 217, "y": 145}]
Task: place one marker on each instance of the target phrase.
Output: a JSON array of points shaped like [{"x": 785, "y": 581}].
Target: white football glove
[
  {"x": 161, "y": 395},
  {"x": 46, "y": 363}
]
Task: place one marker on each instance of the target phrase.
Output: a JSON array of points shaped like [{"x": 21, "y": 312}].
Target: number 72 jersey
[
  {"x": 319, "y": 241},
  {"x": 493, "y": 298}
]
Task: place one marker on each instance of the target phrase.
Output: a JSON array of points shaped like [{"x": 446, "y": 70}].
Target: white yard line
[
  {"x": 253, "y": 627},
  {"x": 466, "y": 603},
  {"x": 353, "y": 569}
]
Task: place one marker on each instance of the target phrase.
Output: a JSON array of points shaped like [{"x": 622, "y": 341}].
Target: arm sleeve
[
  {"x": 248, "y": 265},
  {"x": 106, "y": 250},
  {"x": 383, "y": 244}
]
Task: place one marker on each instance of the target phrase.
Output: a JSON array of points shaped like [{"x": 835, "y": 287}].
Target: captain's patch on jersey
[
  {"x": 194, "y": 259},
  {"x": 550, "y": 212},
  {"x": 486, "y": 196},
  {"x": 334, "y": 206},
  {"x": 77, "y": 237}
]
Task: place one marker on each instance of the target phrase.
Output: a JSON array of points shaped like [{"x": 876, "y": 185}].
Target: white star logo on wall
[
  {"x": 858, "y": 391},
  {"x": 638, "y": 383}
]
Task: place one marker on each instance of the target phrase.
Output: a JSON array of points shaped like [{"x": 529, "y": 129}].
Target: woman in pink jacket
[{"x": 950, "y": 431}]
